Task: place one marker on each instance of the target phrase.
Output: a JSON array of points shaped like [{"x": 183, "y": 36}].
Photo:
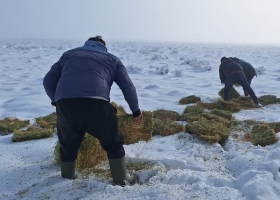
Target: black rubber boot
[
  {"x": 68, "y": 170},
  {"x": 118, "y": 171}
]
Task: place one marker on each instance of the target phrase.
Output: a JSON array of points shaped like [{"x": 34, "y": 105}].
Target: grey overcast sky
[{"x": 214, "y": 21}]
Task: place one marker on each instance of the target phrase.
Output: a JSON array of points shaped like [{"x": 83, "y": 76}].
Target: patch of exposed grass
[
  {"x": 165, "y": 114},
  {"x": 48, "y": 121},
  {"x": 31, "y": 133},
  {"x": 9, "y": 125},
  {"x": 133, "y": 132},
  {"x": 222, "y": 113},
  {"x": 189, "y": 99},
  {"x": 189, "y": 117},
  {"x": 166, "y": 127},
  {"x": 232, "y": 93},
  {"x": 227, "y": 105},
  {"x": 216, "y": 118},
  {"x": 275, "y": 126},
  {"x": 209, "y": 130},
  {"x": 269, "y": 99},
  {"x": 206, "y": 105},
  {"x": 120, "y": 109},
  {"x": 261, "y": 135}
]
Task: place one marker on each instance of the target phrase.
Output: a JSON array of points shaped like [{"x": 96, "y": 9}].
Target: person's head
[{"x": 98, "y": 38}]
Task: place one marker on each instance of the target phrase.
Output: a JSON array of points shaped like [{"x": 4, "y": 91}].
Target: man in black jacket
[
  {"x": 248, "y": 69},
  {"x": 230, "y": 73}
]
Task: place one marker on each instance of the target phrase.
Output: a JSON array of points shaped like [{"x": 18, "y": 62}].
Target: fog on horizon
[{"x": 205, "y": 21}]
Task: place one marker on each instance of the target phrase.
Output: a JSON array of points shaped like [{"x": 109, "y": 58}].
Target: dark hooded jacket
[
  {"x": 228, "y": 67},
  {"x": 89, "y": 71},
  {"x": 248, "y": 69}
]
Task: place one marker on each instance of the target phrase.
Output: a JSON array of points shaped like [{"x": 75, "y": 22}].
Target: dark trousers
[
  {"x": 77, "y": 116},
  {"x": 239, "y": 78},
  {"x": 249, "y": 80}
]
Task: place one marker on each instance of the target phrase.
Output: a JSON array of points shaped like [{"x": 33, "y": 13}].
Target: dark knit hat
[{"x": 98, "y": 38}]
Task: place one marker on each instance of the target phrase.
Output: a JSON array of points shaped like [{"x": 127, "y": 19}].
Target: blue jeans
[{"x": 241, "y": 80}]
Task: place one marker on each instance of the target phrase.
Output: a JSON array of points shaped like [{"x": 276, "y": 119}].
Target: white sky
[{"x": 214, "y": 21}]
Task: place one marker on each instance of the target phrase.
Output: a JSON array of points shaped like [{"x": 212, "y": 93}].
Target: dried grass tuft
[
  {"x": 193, "y": 110},
  {"x": 232, "y": 93},
  {"x": 165, "y": 114},
  {"x": 269, "y": 99},
  {"x": 189, "y": 99},
  {"x": 9, "y": 125},
  {"x": 222, "y": 113},
  {"x": 120, "y": 109},
  {"x": 48, "y": 121},
  {"x": 32, "y": 133},
  {"x": 166, "y": 127}
]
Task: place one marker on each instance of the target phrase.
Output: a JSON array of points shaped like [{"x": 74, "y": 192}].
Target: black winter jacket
[
  {"x": 228, "y": 67},
  {"x": 249, "y": 70}
]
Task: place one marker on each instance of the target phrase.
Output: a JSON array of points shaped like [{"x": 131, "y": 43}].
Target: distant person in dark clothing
[
  {"x": 79, "y": 86},
  {"x": 230, "y": 73},
  {"x": 248, "y": 69}
]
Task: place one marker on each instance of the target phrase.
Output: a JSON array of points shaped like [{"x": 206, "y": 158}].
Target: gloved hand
[
  {"x": 53, "y": 104},
  {"x": 137, "y": 116}
]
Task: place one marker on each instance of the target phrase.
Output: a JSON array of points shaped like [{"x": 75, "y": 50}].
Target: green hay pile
[
  {"x": 90, "y": 153},
  {"x": 8, "y": 125},
  {"x": 193, "y": 110},
  {"x": 31, "y": 133},
  {"x": 244, "y": 102},
  {"x": 189, "y": 99},
  {"x": 165, "y": 114},
  {"x": 222, "y": 113},
  {"x": 269, "y": 99},
  {"x": 206, "y": 105},
  {"x": 166, "y": 127},
  {"x": 135, "y": 132},
  {"x": 261, "y": 135},
  {"x": 120, "y": 109},
  {"x": 216, "y": 118},
  {"x": 189, "y": 117},
  {"x": 227, "y": 105},
  {"x": 48, "y": 121},
  {"x": 209, "y": 130},
  {"x": 232, "y": 93}
]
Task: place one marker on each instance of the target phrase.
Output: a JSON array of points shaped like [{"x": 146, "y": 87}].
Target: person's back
[{"x": 249, "y": 70}]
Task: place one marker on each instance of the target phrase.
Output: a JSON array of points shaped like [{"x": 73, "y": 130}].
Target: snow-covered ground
[{"x": 186, "y": 167}]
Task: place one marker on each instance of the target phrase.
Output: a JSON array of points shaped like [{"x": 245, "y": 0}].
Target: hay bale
[
  {"x": 228, "y": 105},
  {"x": 244, "y": 102},
  {"x": 217, "y": 118},
  {"x": 166, "y": 127},
  {"x": 90, "y": 153},
  {"x": 261, "y": 135},
  {"x": 205, "y": 105},
  {"x": 222, "y": 113},
  {"x": 48, "y": 121},
  {"x": 31, "y": 133},
  {"x": 232, "y": 93},
  {"x": 165, "y": 114},
  {"x": 189, "y": 99},
  {"x": 134, "y": 133},
  {"x": 269, "y": 99},
  {"x": 194, "y": 110},
  {"x": 8, "y": 125},
  {"x": 209, "y": 130},
  {"x": 120, "y": 109}
]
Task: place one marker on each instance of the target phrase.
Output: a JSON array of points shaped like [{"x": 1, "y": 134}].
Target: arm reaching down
[{"x": 125, "y": 84}]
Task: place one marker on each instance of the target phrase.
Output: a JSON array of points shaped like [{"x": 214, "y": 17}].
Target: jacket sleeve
[
  {"x": 125, "y": 84},
  {"x": 51, "y": 79},
  {"x": 222, "y": 75}
]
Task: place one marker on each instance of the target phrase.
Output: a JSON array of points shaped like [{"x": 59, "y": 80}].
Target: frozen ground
[{"x": 187, "y": 167}]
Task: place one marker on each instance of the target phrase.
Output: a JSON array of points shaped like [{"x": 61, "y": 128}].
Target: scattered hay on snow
[
  {"x": 31, "y": 133},
  {"x": 48, "y": 121},
  {"x": 166, "y": 127},
  {"x": 189, "y": 99},
  {"x": 9, "y": 125},
  {"x": 262, "y": 135}
]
